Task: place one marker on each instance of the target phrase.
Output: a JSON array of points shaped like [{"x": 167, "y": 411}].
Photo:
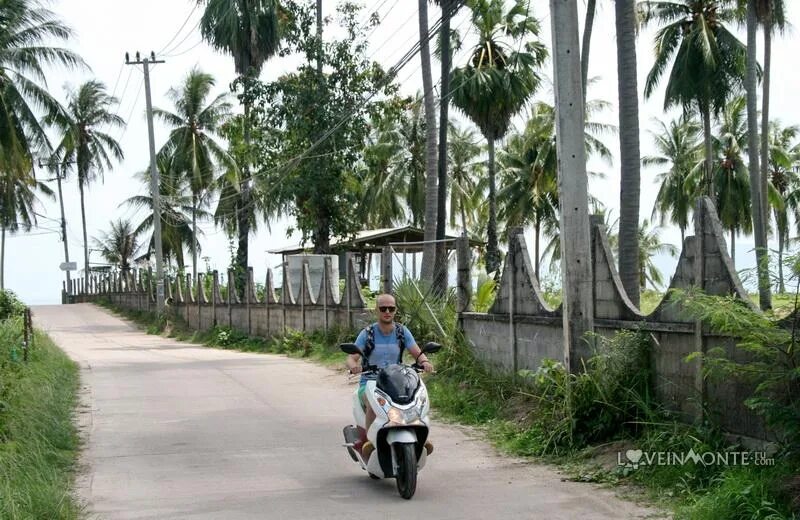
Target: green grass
[{"x": 38, "y": 440}]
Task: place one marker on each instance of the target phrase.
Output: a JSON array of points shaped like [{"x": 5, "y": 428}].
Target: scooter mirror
[
  {"x": 350, "y": 348},
  {"x": 431, "y": 347}
]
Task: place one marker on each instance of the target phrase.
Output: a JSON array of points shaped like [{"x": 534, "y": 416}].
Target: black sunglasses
[{"x": 387, "y": 308}]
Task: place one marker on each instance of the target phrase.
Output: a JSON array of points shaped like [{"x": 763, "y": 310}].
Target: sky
[{"x": 169, "y": 28}]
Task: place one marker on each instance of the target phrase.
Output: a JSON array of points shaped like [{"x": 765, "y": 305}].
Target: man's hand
[
  {"x": 427, "y": 366},
  {"x": 356, "y": 369}
]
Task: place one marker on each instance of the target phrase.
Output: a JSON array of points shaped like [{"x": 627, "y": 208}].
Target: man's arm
[{"x": 421, "y": 359}]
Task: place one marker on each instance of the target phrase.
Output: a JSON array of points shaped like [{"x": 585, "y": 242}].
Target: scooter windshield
[{"x": 399, "y": 383}]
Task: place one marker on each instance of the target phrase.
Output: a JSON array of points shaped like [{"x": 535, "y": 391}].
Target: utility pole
[
  {"x": 154, "y": 181},
  {"x": 576, "y": 263},
  {"x": 54, "y": 166}
]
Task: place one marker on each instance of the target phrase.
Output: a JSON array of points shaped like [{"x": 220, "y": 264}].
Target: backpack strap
[
  {"x": 369, "y": 347},
  {"x": 401, "y": 341}
]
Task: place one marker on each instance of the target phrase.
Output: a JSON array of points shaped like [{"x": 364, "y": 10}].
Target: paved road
[{"x": 180, "y": 431}]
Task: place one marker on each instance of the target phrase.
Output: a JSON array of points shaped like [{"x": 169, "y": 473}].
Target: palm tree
[
  {"x": 771, "y": 15},
  {"x": 84, "y": 142},
  {"x": 382, "y": 198},
  {"x": 449, "y": 8},
  {"x": 27, "y": 33},
  {"x": 467, "y": 172},
  {"x": 119, "y": 245},
  {"x": 431, "y": 176},
  {"x": 529, "y": 170},
  {"x": 17, "y": 202},
  {"x": 176, "y": 210},
  {"x": 758, "y": 199},
  {"x": 195, "y": 154},
  {"x": 679, "y": 147},
  {"x": 731, "y": 182},
  {"x": 409, "y": 161},
  {"x": 497, "y": 82},
  {"x": 784, "y": 160},
  {"x": 263, "y": 199},
  {"x": 650, "y": 245},
  {"x": 708, "y": 61},
  {"x": 249, "y": 30},
  {"x": 630, "y": 159}
]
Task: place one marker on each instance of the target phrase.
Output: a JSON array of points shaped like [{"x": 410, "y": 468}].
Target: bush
[{"x": 10, "y": 305}]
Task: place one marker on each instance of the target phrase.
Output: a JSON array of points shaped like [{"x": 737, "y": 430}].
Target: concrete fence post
[{"x": 463, "y": 282}]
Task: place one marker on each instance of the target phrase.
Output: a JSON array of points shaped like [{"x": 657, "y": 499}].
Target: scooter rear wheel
[{"x": 406, "y": 469}]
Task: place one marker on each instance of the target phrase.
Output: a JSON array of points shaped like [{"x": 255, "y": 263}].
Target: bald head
[{"x": 385, "y": 307}]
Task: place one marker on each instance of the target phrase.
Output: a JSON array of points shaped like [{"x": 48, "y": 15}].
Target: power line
[
  {"x": 133, "y": 107},
  {"x": 180, "y": 28}
]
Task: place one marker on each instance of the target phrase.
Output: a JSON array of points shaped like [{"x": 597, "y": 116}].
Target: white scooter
[{"x": 400, "y": 402}]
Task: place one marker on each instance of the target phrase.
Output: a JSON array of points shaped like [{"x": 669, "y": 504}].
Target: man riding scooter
[{"x": 383, "y": 344}]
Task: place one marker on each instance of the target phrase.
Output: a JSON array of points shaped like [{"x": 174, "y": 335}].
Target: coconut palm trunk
[
  {"x": 781, "y": 245},
  {"x": 492, "y": 253},
  {"x": 537, "y": 230},
  {"x": 765, "y": 116},
  {"x": 431, "y": 180},
  {"x": 2, "y": 258},
  {"x": 733, "y": 247},
  {"x": 709, "y": 153},
  {"x": 759, "y": 224},
  {"x": 440, "y": 272},
  {"x": 587, "y": 41},
  {"x": 194, "y": 237},
  {"x": 630, "y": 159}
]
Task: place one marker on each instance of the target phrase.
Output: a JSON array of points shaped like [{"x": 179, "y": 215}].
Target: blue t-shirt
[{"x": 386, "y": 348}]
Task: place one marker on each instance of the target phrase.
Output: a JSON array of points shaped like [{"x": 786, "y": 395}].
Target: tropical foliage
[
  {"x": 86, "y": 146},
  {"x": 192, "y": 149},
  {"x": 497, "y": 81},
  {"x": 119, "y": 245}
]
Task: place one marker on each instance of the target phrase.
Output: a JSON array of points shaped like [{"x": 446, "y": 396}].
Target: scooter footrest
[{"x": 350, "y": 434}]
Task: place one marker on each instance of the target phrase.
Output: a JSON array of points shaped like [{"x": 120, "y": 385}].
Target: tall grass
[{"x": 38, "y": 440}]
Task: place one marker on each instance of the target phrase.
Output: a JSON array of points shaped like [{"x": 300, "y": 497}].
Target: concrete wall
[
  {"x": 302, "y": 306},
  {"x": 520, "y": 330}
]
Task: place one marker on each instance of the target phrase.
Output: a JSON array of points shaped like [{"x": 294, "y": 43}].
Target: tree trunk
[
  {"x": 708, "y": 151},
  {"x": 85, "y": 241},
  {"x": 537, "y": 230},
  {"x": 463, "y": 219},
  {"x": 492, "y": 252},
  {"x": 683, "y": 236},
  {"x": 431, "y": 181},
  {"x": 765, "y": 120},
  {"x": 3, "y": 258},
  {"x": 759, "y": 226},
  {"x": 587, "y": 40},
  {"x": 781, "y": 286},
  {"x": 629, "y": 149},
  {"x": 194, "y": 237},
  {"x": 733, "y": 248},
  {"x": 440, "y": 271}
]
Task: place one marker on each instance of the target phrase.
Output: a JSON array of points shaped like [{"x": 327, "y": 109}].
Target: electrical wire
[{"x": 180, "y": 28}]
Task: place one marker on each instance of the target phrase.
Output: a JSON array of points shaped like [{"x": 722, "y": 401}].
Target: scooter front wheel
[{"x": 406, "y": 469}]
